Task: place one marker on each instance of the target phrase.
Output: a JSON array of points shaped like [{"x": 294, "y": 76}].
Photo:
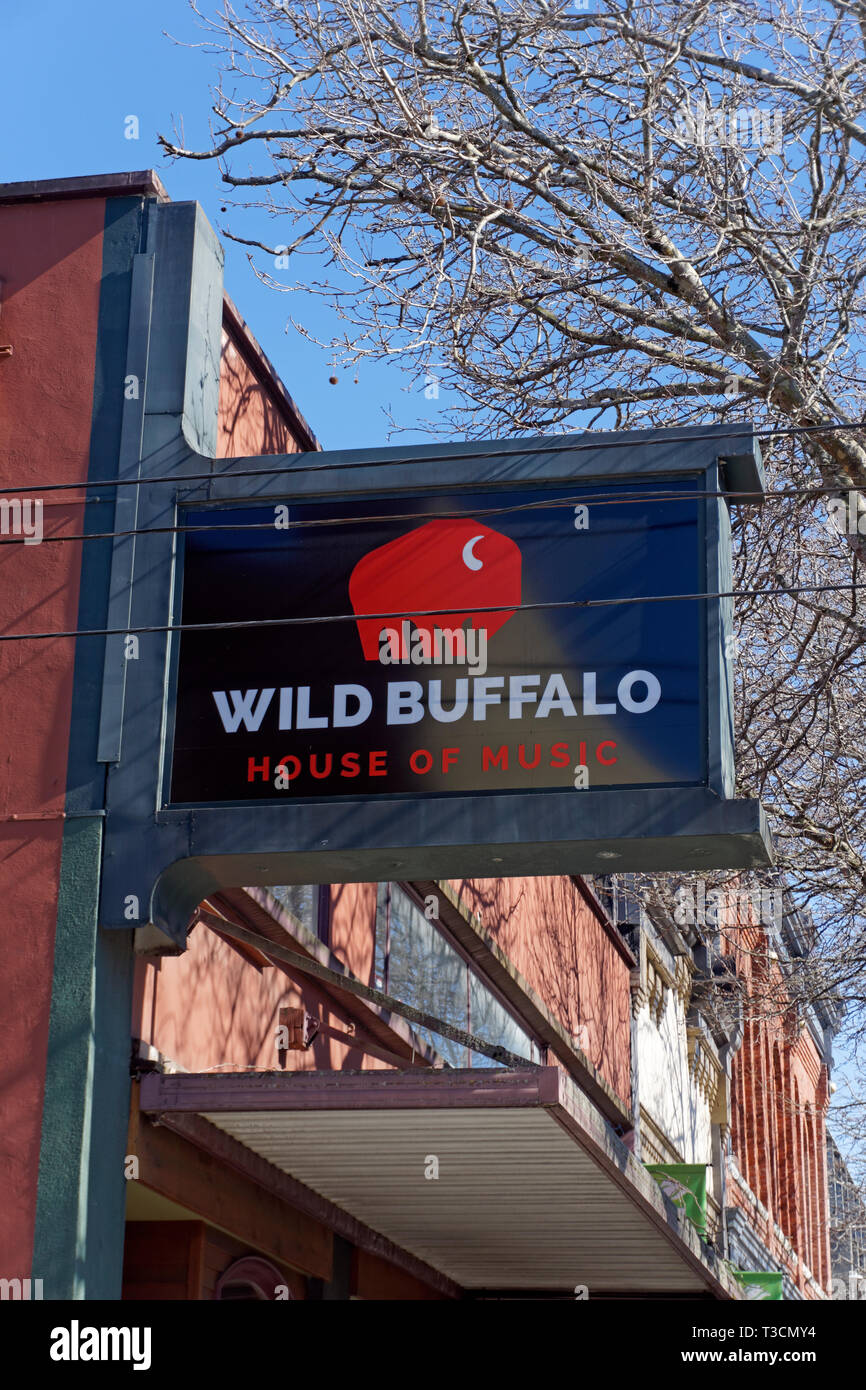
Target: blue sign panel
[{"x": 476, "y": 642}]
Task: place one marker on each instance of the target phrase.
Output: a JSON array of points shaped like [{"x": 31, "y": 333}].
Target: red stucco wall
[
  {"x": 210, "y": 1008},
  {"x": 560, "y": 945},
  {"x": 252, "y": 420},
  {"x": 50, "y": 263}
]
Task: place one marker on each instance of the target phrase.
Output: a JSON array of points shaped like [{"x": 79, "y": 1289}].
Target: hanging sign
[{"x": 481, "y": 642}]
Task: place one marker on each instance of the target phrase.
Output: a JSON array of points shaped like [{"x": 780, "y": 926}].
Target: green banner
[
  {"x": 759, "y": 1284},
  {"x": 686, "y": 1185}
]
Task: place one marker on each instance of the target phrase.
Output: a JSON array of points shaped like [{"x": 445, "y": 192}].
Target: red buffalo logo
[{"x": 454, "y": 568}]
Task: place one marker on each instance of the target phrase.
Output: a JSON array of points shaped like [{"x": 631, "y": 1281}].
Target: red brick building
[{"x": 778, "y": 1123}]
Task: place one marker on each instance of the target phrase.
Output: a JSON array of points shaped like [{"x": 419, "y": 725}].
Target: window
[
  {"x": 620, "y": 897},
  {"x": 417, "y": 964},
  {"x": 310, "y": 903}
]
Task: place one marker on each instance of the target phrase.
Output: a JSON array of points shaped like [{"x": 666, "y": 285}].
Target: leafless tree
[{"x": 652, "y": 213}]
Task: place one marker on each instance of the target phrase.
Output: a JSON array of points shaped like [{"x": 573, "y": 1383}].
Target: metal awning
[{"x": 534, "y": 1190}]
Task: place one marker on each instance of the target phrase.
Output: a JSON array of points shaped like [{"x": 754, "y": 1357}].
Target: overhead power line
[
  {"x": 587, "y": 499},
  {"x": 548, "y": 447},
  {"x": 328, "y": 618}
]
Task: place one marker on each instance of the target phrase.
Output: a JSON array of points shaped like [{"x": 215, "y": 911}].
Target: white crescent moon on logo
[{"x": 471, "y": 561}]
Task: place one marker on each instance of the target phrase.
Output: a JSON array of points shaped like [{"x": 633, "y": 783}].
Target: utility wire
[
  {"x": 607, "y": 499},
  {"x": 323, "y": 619},
  {"x": 549, "y": 447}
]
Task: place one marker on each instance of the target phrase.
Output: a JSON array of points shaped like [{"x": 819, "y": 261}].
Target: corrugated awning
[{"x": 534, "y": 1191}]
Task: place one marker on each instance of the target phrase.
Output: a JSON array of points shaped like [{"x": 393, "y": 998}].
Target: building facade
[
  {"x": 443, "y": 1088},
  {"x": 847, "y": 1216}
]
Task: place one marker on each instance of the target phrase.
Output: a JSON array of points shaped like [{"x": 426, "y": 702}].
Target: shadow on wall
[
  {"x": 353, "y": 927},
  {"x": 250, "y": 421},
  {"x": 213, "y": 1008},
  {"x": 561, "y": 946}
]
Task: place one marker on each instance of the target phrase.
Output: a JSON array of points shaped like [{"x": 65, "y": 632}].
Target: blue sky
[{"x": 76, "y": 72}]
